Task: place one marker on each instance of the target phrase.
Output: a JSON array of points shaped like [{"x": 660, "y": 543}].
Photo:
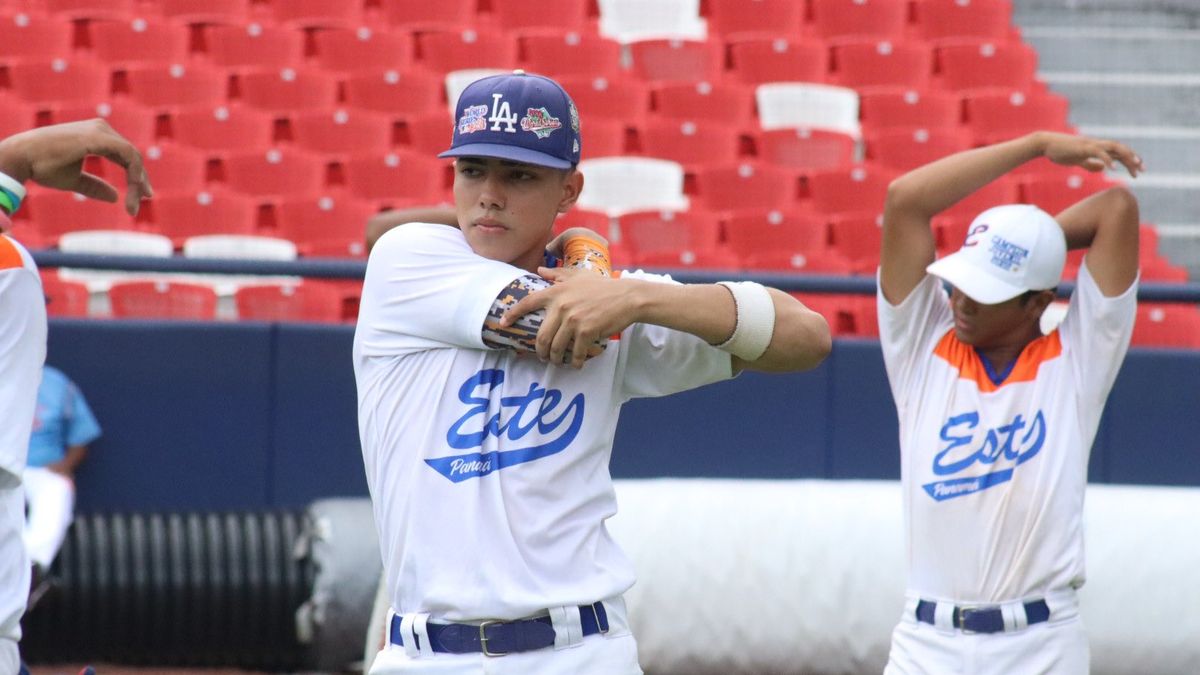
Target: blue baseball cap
[{"x": 519, "y": 117}]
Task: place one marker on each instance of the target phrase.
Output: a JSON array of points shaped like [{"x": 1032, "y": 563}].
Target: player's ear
[
  {"x": 1039, "y": 302},
  {"x": 572, "y": 186}
]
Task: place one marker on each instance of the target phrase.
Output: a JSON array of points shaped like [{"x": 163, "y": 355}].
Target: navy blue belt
[
  {"x": 982, "y": 619},
  {"x": 497, "y": 638}
]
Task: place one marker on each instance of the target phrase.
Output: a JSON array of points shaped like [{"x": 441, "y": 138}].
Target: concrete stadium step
[
  {"x": 1152, "y": 99},
  {"x": 1113, "y": 50},
  {"x": 1167, "y": 198},
  {"x": 1113, "y": 13},
  {"x": 1180, "y": 243},
  {"x": 1167, "y": 150}
]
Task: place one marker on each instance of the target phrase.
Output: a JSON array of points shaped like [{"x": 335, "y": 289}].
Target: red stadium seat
[
  {"x": 909, "y": 109},
  {"x": 857, "y": 238},
  {"x": 840, "y": 311},
  {"x": 162, "y": 300},
  {"x": 732, "y": 20},
  {"x": 1166, "y": 325},
  {"x": 779, "y": 60},
  {"x": 725, "y": 102},
  {"x": 949, "y": 20},
  {"x": 398, "y": 176},
  {"x": 287, "y": 90},
  {"x": 318, "y": 14},
  {"x": 882, "y": 64},
  {"x": 856, "y": 189},
  {"x": 950, "y": 232},
  {"x": 205, "y": 11},
  {"x": 60, "y": 81},
  {"x": 90, "y": 9},
  {"x": 560, "y": 15},
  {"x": 224, "y": 128},
  {"x": 122, "y": 43},
  {"x": 465, "y": 49},
  {"x": 170, "y": 167},
  {"x": 278, "y": 172},
  {"x": 596, "y": 221},
  {"x": 342, "y": 131},
  {"x": 877, "y": 19},
  {"x": 1001, "y": 191},
  {"x": 293, "y": 302},
  {"x": 399, "y": 93},
  {"x": 758, "y": 232},
  {"x": 603, "y": 138},
  {"x": 64, "y": 298},
  {"x": 32, "y": 36},
  {"x": 904, "y": 149},
  {"x": 814, "y": 261},
  {"x": 1161, "y": 269},
  {"x": 180, "y": 215},
  {"x": 668, "y": 231},
  {"x": 53, "y": 213},
  {"x": 176, "y": 86},
  {"x": 422, "y": 15},
  {"x": 136, "y": 123},
  {"x": 16, "y": 116},
  {"x": 690, "y": 143},
  {"x": 677, "y": 60},
  {"x": 325, "y": 223},
  {"x": 806, "y": 148},
  {"x": 712, "y": 259},
  {"x": 616, "y": 98},
  {"x": 362, "y": 48},
  {"x": 253, "y": 46},
  {"x": 571, "y": 53},
  {"x": 1055, "y": 192},
  {"x": 430, "y": 133},
  {"x": 744, "y": 186},
  {"x": 986, "y": 65},
  {"x": 998, "y": 116}
]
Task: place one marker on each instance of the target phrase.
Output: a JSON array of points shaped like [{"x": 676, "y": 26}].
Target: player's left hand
[
  {"x": 53, "y": 156},
  {"x": 582, "y": 308}
]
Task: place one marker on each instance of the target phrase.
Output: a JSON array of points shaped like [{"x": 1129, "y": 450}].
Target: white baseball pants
[{"x": 51, "y": 501}]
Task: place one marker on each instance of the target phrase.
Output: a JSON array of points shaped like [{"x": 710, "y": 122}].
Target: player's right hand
[
  {"x": 1089, "y": 153},
  {"x": 53, "y": 156}
]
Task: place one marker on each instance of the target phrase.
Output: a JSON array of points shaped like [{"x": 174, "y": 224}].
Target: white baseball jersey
[
  {"x": 994, "y": 472},
  {"x": 488, "y": 469},
  {"x": 22, "y": 353}
]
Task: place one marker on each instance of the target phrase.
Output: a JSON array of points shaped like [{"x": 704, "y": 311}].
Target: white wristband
[
  {"x": 9, "y": 183},
  {"x": 755, "y": 320}
]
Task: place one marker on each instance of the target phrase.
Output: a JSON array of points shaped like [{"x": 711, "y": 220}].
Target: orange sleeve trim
[
  {"x": 10, "y": 257},
  {"x": 962, "y": 357}
]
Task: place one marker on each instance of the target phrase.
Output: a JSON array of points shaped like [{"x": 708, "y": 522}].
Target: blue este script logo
[
  {"x": 1003, "y": 449},
  {"x": 538, "y": 409}
]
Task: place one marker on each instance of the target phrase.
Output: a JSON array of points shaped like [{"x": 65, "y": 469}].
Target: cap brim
[
  {"x": 510, "y": 152},
  {"x": 977, "y": 284}
]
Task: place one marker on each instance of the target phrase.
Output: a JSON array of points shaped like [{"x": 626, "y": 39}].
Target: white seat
[
  {"x": 111, "y": 242},
  {"x": 617, "y": 185},
  {"x": 457, "y": 80},
  {"x": 786, "y": 105},
  {"x": 237, "y": 247},
  {"x": 631, "y": 20}
]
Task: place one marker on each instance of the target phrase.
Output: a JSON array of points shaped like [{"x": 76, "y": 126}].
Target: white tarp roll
[{"x": 770, "y": 577}]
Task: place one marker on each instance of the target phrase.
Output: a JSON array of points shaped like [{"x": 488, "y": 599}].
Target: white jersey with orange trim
[
  {"x": 22, "y": 353},
  {"x": 488, "y": 469},
  {"x": 994, "y": 471}
]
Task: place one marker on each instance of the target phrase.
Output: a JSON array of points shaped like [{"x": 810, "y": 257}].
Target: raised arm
[
  {"x": 1106, "y": 224},
  {"x": 380, "y": 223},
  {"x": 916, "y": 197}
]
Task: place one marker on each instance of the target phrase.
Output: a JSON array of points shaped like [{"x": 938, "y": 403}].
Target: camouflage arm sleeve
[{"x": 522, "y": 335}]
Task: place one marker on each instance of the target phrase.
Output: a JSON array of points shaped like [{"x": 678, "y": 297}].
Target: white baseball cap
[{"x": 1009, "y": 250}]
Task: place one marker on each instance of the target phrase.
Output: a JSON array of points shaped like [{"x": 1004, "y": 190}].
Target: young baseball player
[
  {"x": 51, "y": 156},
  {"x": 489, "y": 387},
  {"x": 996, "y": 419}
]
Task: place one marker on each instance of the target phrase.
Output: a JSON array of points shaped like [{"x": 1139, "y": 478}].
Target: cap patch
[
  {"x": 540, "y": 122},
  {"x": 1007, "y": 255},
  {"x": 472, "y": 119}
]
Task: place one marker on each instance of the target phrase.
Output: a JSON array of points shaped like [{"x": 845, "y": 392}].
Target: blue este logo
[
  {"x": 1003, "y": 448},
  {"x": 538, "y": 409}
]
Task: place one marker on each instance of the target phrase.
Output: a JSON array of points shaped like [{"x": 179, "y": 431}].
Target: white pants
[
  {"x": 611, "y": 653},
  {"x": 51, "y": 500},
  {"x": 1055, "y": 647},
  {"x": 14, "y": 571}
]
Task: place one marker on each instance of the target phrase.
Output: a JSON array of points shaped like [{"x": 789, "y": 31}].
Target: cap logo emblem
[
  {"x": 472, "y": 119},
  {"x": 502, "y": 114},
  {"x": 978, "y": 229},
  {"x": 1007, "y": 255},
  {"x": 540, "y": 122}
]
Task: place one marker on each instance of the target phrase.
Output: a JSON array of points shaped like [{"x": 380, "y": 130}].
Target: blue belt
[
  {"x": 982, "y": 619},
  {"x": 497, "y": 638}
]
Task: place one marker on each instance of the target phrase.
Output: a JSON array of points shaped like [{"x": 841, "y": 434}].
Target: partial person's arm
[
  {"x": 581, "y": 308},
  {"x": 1106, "y": 224},
  {"x": 380, "y": 223},
  {"x": 53, "y": 156},
  {"x": 916, "y": 197},
  {"x": 70, "y": 462}
]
